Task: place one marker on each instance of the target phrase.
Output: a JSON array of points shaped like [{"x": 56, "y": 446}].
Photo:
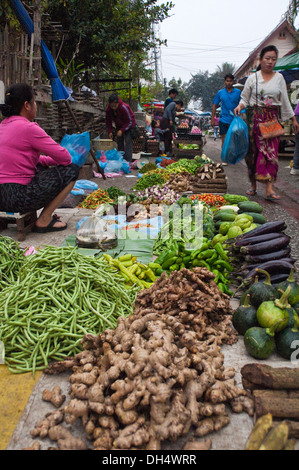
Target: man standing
[
  {"x": 168, "y": 121},
  {"x": 228, "y": 97},
  {"x": 122, "y": 117},
  {"x": 173, "y": 93}
]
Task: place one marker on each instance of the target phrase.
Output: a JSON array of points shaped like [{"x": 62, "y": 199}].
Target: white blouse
[{"x": 273, "y": 92}]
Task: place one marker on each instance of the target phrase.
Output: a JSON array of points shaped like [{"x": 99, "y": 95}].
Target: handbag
[{"x": 269, "y": 129}]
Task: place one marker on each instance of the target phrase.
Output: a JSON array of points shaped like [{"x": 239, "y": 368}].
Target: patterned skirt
[
  {"x": 262, "y": 156},
  {"x": 42, "y": 189}
]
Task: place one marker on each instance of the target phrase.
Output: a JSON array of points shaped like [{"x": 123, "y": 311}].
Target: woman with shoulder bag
[{"x": 265, "y": 97}]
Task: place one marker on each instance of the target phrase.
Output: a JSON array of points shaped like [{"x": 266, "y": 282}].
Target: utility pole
[{"x": 156, "y": 57}]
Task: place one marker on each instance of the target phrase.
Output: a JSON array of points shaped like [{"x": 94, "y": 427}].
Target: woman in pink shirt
[{"x": 35, "y": 172}]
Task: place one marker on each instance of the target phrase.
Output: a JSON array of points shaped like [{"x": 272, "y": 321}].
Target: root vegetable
[
  {"x": 198, "y": 445},
  {"x": 259, "y": 432},
  {"x": 160, "y": 373},
  {"x": 54, "y": 396},
  {"x": 51, "y": 419},
  {"x": 65, "y": 439}
]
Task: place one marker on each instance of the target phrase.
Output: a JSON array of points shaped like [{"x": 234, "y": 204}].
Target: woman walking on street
[{"x": 264, "y": 97}]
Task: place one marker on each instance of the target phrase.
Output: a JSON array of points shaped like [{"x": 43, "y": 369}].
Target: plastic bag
[
  {"x": 78, "y": 145},
  {"x": 94, "y": 232},
  {"x": 115, "y": 162},
  {"x": 86, "y": 185},
  {"x": 236, "y": 142}
]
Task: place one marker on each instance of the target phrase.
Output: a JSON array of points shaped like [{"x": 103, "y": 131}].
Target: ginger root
[
  {"x": 160, "y": 373},
  {"x": 198, "y": 445},
  {"x": 54, "y": 396}
]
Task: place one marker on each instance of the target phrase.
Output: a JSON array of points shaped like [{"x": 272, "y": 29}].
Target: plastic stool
[{"x": 24, "y": 222}]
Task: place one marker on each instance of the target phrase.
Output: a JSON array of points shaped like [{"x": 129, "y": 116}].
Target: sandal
[
  {"x": 272, "y": 197},
  {"x": 251, "y": 192},
  {"x": 50, "y": 227}
]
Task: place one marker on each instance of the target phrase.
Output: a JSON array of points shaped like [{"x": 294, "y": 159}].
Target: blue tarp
[{"x": 59, "y": 91}]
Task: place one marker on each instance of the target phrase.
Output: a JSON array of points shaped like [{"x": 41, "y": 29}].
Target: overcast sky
[{"x": 202, "y": 34}]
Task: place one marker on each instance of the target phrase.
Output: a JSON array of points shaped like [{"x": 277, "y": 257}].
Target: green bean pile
[
  {"x": 59, "y": 296},
  {"x": 11, "y": 259}
]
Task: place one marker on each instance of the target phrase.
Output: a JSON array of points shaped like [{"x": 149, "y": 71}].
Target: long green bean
[{"x": 58, "y": 296}]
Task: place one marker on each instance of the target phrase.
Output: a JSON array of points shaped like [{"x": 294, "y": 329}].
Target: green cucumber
[
  {"x": 250, "y": 206},
  {"x": 257, "y": 218},
  {"x": 225, "y": 216},
  {"x": 235, "y": 198}
]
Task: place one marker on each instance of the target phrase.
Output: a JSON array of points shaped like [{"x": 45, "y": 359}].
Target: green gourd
[
  {"x": 244, "y": 317},
  {"x": 287, "y": 340},
  {"x": 271, "y": 312},
  {"x": 290, "y": 281},
  {"x": 259, "y": 342},
  {"x": 261, "y": 291}
]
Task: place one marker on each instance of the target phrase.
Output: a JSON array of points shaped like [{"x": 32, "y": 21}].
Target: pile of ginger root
[{"x": 160, "y": 375}]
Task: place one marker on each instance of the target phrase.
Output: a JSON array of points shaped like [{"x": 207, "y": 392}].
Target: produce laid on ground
[
  {"x": 151, "y": 178},
  {"x": 143, "y": 342},
  {"x": 95, "y": 199},
  {"x": 132, "y": 271},
  {"x": 276, "y": 401},
  {"x": 268, "y": 318},
  {"x": 11, "y": 259},
  {"x": 157, "y": 195},
  {"x": 265, "y": 248},
  {"x": 158, "y": 375},
  {"x": 58, "y": 296},
  {"x": 207, "y": 177}
]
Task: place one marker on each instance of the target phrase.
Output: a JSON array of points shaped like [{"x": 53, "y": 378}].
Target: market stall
[
  {"x": 188, "y": 142},
  {"x": 151, "y": 337}
]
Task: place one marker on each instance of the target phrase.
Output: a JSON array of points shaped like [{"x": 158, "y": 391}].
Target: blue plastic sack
[
  {"x": 115, "y": 162},
  {"x": 236, "y": 142},
  {"x": 78, "y": 145},
  {"x": 86, "y": 184}
]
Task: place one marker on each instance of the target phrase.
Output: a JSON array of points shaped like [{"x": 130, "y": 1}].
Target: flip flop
[
  {"x": 251, "y": 192},
  {"x": 50, "y": 227},
  {"x": 272, "y": 197}
]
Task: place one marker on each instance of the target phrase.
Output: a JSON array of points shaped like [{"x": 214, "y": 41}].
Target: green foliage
[
  {"x": 115, "y": 36},
  {"x": 70, "y": 73},
  {"x": 203, "y": 86}
]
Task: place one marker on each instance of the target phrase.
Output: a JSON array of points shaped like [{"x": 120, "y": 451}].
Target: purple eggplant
[
  {"x": 266, "y": 247},
  {"x": 276, "y": 279},
  {"x": 268, "y": 227},
  {"x": 272, "y": 267},
  {"x": 258, "y": 239},
  {"x": 284, "y": 253}
]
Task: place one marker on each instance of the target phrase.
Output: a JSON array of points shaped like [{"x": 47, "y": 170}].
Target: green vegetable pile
[
  {"x": 185, "y": 164},
  {"x": 214, "y": 258},
  {"x": 151, "y": 179},
  {"x": 148, "y": 167},
  {"x": 115, "y": 192},
  {"x": 11, "y": 259},
  {"x": 59, "y": 296}
]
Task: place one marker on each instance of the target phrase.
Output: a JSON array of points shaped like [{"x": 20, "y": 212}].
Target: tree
[
  {"x": 115, "y": 35},
  {"x": 182, "y": 89},
  {"x": 203, "y": 86},
  {"x": 110, "y": 37}
]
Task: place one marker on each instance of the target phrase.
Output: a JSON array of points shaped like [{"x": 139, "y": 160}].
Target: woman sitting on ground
[{"x": 35, "y": 172}]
